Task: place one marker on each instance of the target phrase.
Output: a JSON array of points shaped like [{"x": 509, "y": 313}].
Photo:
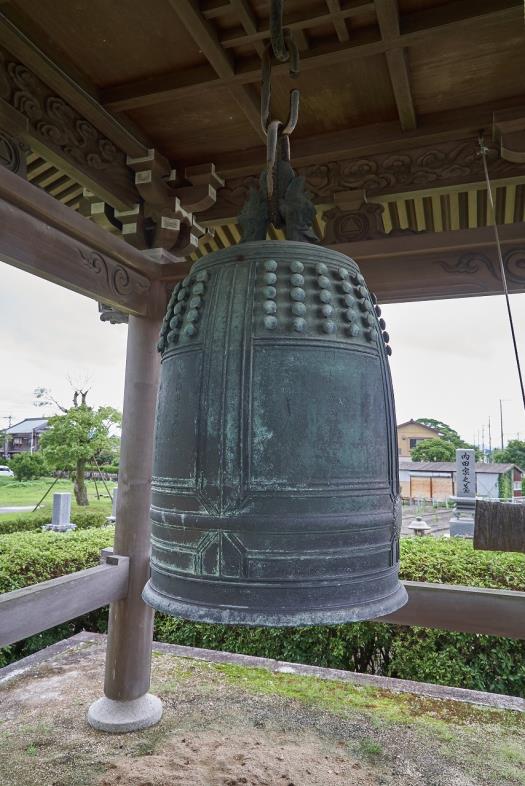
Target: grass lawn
[{"x": 29, "y": 492}]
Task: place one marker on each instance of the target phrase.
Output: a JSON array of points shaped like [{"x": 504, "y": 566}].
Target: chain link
[{"x": 284, "y": 50}]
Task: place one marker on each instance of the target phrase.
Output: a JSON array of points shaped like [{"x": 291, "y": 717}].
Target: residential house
[
  {"x": 410, "y": 434},
  {"x": 437, "y": 479},
  {"x": 25, "y": 436}
]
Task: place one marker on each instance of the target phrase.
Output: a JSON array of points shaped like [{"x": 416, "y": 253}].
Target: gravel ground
[{"x": 227, "y": 725}]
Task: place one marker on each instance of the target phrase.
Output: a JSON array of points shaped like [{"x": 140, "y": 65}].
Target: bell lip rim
[{"x": 193, "y": 612}]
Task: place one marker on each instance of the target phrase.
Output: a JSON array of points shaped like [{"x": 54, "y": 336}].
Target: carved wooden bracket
[
  {"x": 162, "y": 221},
  {"x": 166, "y": 217}
]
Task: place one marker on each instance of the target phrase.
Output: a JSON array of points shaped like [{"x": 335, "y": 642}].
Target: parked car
[{"x": 5, "y": 472}]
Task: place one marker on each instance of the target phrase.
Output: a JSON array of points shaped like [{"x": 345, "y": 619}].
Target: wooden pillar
[{"x": 127, "y": 705}]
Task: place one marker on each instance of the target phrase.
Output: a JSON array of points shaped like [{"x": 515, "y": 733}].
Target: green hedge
[
  {"x": 30, "y": 557},
  {"x": 466, "y": 660},
  {"x": 83, "y": 519}
]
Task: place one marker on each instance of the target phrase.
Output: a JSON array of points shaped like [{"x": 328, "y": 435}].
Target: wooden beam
[
  {"x": 418, "y": 164},
  {"x": 25, "y": 612},
  {"x": 499, "y": 526},
  {"x": 334, "y": 6},
  {"x": 397, "y": 61},
  {"x": 462, "y": 609},
  {"x": 48, "y": 239},
  {"x": 298, "y": 23},
  {"x": 467, "y": 15},
  {"x": 248, "y": 21},
  {"x": 207, "y": 40},
  {"x": 439, "y": 265},
  {"x": 25, "y": 41}
]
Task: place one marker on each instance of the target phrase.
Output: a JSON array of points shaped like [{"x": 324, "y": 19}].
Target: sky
[{"x": 452, "y": 359}]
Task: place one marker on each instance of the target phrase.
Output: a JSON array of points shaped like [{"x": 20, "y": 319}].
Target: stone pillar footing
[{"x": 118, "y": 717}]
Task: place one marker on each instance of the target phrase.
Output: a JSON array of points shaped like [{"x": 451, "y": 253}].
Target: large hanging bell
[{"x": 275, "y": 489}]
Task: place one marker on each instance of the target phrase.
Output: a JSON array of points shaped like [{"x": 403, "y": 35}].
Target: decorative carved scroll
[
  {"x": 472, "y": 263},
  {"x": 514, "y": 262},
  {"x": 11, "y": 155},
  {"x": 449, "y": 163},
  {"x": 61, "y": 130},
  {"x": 469, "y": 263},
  {"x": 117, "y": 280}
]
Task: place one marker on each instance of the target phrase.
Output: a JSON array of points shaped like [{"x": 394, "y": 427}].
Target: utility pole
[
  {"x": 490, "y": 441},
  {"x": 483, "y": 443},
  {"x": 501, "y": 421},
  {"x": 9, "y": 418}
]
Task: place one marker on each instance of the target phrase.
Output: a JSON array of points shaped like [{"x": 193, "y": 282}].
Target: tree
[
  {"x": 28, "y": 466},
  {"x": 76, "y": 437},
  {"x": 434, "y": 450},
  {"x": 448, "y": 434},
  {"x": 514, "y": 453}
]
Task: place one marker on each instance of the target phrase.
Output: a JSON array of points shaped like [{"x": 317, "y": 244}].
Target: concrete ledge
[{"x": 491, "y": 700}]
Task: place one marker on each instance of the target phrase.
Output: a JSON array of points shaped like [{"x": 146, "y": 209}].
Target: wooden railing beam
[
  {"x": 38, "y": 607},
  {"x": 463, "y": 609}
]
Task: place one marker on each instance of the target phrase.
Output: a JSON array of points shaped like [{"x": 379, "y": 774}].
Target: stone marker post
[
  {"x": 462, "y": 521},
  {"x": 111, "y": 519},
  {"x": 61, "y": 518}
]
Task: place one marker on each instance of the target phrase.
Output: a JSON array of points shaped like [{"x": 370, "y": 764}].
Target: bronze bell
[{"x": 275, "y": 491}]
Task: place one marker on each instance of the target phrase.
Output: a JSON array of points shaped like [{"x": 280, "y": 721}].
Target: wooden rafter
[
  {"x": 371, "y": 139},
  {"x": 296, "y": 21},
  {"x": 397, "y": 60},
  {"x": 206, "y": 38},
  {"x": 465, "y": 15},
  {"x": 338, "y": 21},
  {"x": 248, "y": 21}
]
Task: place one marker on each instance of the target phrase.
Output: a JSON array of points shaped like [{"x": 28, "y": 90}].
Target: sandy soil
[
  {"x": 236, "y": 726},
  {"x": 210, "y": 759}
]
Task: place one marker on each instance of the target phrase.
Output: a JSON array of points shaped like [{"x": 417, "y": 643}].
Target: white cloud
[{"x": 48, "y": 334}]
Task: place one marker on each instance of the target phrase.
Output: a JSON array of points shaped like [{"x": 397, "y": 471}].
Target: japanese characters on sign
[{"x": 465, "y": 473}]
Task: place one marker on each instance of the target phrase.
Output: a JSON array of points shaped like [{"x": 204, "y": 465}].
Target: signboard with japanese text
[{"x": 465, "y": 473}]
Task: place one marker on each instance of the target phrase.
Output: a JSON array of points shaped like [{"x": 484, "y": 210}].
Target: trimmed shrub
[
  {"x": 28, "y": 466},
  {"x": 465, "y": 660},
  {"x": 83, "y": 519},
  {"x": 30, "y": 557}
]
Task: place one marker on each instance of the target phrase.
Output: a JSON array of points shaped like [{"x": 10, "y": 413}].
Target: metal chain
[
  {"x": 277, "y": 32},
  {"x": 284, "y": 49}
]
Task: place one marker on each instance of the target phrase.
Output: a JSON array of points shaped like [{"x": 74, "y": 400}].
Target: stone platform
[{"x": 231, "y": 720}]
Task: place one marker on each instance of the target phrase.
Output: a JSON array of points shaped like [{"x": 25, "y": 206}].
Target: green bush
[
  {"x": 466, "y": 660},
  {"x": 83, "y": 519},
  {"x": 30, "y": 557},
  {"x": 28, "y": 466},
  {"x": 505, "y": 485},
  {"x": 109, "y": 469}
]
